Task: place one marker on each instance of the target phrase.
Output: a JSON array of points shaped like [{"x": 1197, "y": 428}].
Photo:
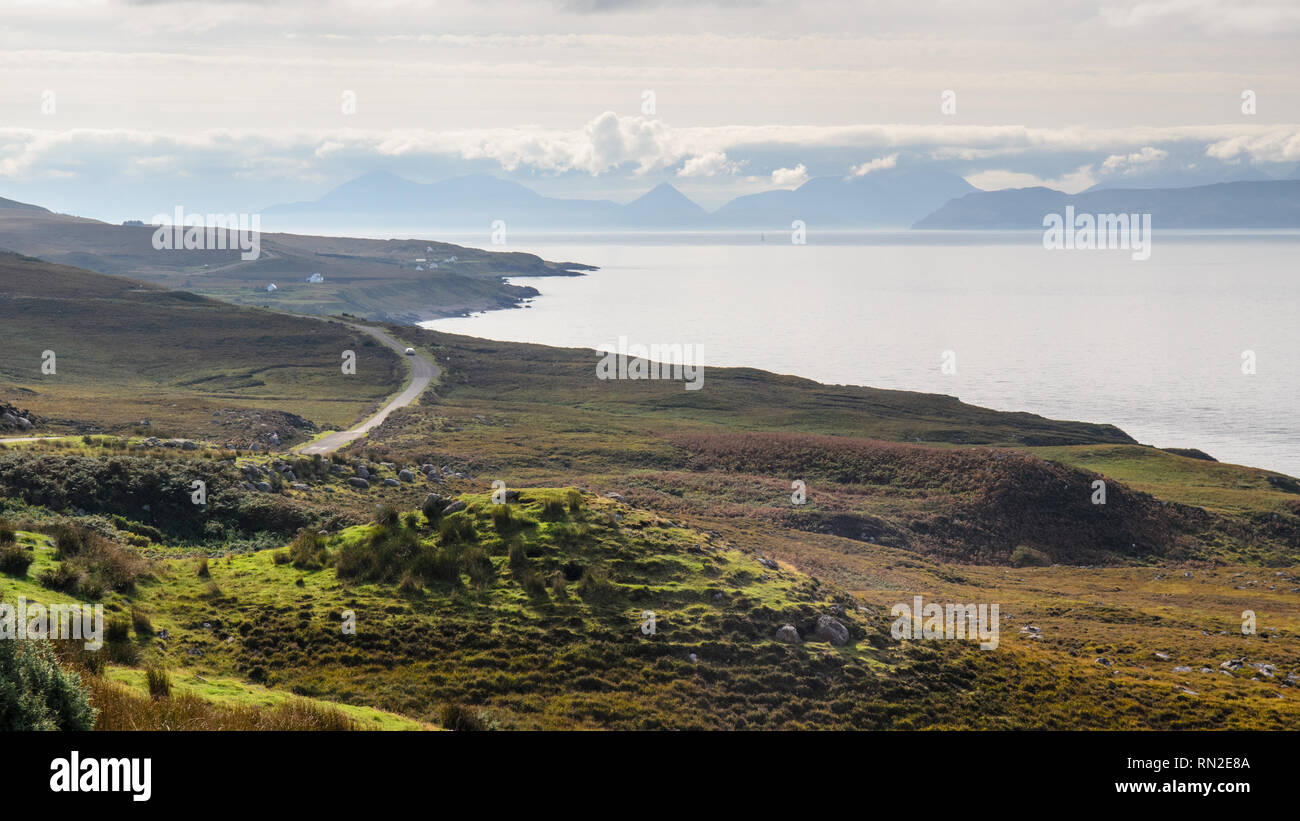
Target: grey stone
[
  {"x": 830, "y": 629},
  {"x": 357, "y": 481},
  {"x": 788, "y": 634}
]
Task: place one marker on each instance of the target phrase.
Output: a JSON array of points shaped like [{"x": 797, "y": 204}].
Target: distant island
[
  {"x": 1247, "y": 204},
  {"x": 890, "y": 198}
]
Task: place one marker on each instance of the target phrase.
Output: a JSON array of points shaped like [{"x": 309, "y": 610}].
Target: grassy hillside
[
  {"x": 956, "y": 481},
  {"x": 126, "y": 351},
  {"x": 483, "y": 619}
]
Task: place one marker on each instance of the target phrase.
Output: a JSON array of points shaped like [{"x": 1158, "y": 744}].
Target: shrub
[
  {"x": 552, "y": 510},
  {"x": 141, "y": 622},
  {"x": 387, "y": 516},
  {"x": 37, "y": 694},
  {"x": 280, "y": 557},
  {"x": 596, "y": 588},
  {"x": 409, "y": 585},
  {"x": 456, "y": 717},
  {"x": 559, "y": 585},
  {"x": 456, "y": 528},
  {"x": 533, "y": 583},
  {"x": 14, "y": 560},
  {"x": 7, "y": 533},
  {"x": 160, "y": 684},
  {"x": 117, "y": 629},
  {"x": 575, "y": 501},
  {"x": 1024, "y": 556},
  {"x": 502, "y": 519},
  {"x": 307, "y": 551},
  {"x": 437, "y": 565},
  {"x": 479, "y": 567},
  {"x": 63, "y": 577},
  {"x": 203, "y": 572},
  {"x": 517, "y": 556}
]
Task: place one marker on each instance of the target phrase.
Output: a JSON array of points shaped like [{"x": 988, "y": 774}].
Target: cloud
[
  {"x": 1280, "y": 144},
  {"x": 874, "y": 165},
  {"x": 1134, "y": 163},
  {"x": 790, "y": 177},
  {"x": 1071, "y": 183},
  {"x": 709, "y": 164}
]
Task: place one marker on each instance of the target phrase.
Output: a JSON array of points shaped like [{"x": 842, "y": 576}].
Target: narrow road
[{"x": 422, "y": 373}]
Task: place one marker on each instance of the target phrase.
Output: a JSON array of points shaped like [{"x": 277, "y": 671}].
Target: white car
[{"x": 410, "y": 351}]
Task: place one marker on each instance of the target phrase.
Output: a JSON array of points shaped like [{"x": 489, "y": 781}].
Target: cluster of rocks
[
  {"x": 363, "y": 474},
  {"x": 183, "y": 444},
  {"x": 448, "y": 505},
  {"x": 11, "y": 418},
  {"x": 257, "y": 429},
  {"x": 828, "y": 629}
]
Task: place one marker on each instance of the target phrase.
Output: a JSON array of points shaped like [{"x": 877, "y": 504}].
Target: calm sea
[{"x": 1155, "y": 347}]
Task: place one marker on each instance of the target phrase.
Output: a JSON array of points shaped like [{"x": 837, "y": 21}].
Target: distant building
[
  {"x": 419, "y": 267},
  {"x": 449, "y": 259},
  {"x": 133, "y": 222},
  {"x": 271, "y": 287},
  {"x": 316, "y": 277}
]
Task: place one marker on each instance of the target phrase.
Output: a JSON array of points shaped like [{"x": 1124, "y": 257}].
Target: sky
[{"x": 118, "y": 109}]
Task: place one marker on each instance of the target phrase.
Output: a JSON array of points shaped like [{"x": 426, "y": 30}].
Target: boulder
[
  {"x": 265, "y": 487},
  {"x": 392, "y": 483},
  {"x": 830, "y": 629},
  {"x": 357, "y": 481},
  {"x": 453, "y": 507},
  {"x": 406, "y": 476},
  {"x": 788, "y": 634},
  {"x": 299, "y": 486}
]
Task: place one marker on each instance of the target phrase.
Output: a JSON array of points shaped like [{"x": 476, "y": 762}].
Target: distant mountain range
[
  {"x": 1247, "y": 204},
  {"x": 884, "y": 198}
]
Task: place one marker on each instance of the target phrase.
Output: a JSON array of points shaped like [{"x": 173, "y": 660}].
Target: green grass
[
  {"x": 1211, "y": 485},
  {"x": 127, "y": 351},
  {"x": 236, "y": 693}
]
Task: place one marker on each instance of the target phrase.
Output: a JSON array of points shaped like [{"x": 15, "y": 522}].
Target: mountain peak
[{"x": 665, "y": 196}]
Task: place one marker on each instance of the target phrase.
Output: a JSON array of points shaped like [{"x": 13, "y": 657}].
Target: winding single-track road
[{"x": 422, "y": 373}]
